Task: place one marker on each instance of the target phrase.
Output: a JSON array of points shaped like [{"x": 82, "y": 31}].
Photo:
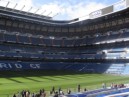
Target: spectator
[
  {"x": 59, "y": 89},
  {"x": 27, "y": 93},
  {"x": 14, "y": 95},
  {"x": 18, "y": 94},
  {"x": 43, "y": 90},
  {"x": 115, "y": 86},
  {"x": 40, "y": 91},
  {"x": 22, "y": 93},
  {"x": 33, "y": 95},
  {"x": 53, "y": 89},
  {"x": 56, "y": 94},
  {"x": 112, "y": 85},
  {"x": 69, "y": 91},
  {"x": 51, "y": 94},
  {"x": 79, "y": 88},
  {"x": 61, "y": 92},
  {"x": 104, "y": 85},
  {"x": 85, "y": 89}
]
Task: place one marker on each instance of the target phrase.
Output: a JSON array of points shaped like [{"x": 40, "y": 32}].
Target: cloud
[
  {"x": 84, "y": 9},
  {"x": 68, "y": 11},
  {"x": 81, "y": 9},
  {"x": 65, "y": 10},
  {"x": 51, "y": 8}
]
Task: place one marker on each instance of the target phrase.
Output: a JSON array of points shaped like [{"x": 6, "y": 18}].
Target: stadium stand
[{"x": 95, "y": 45}]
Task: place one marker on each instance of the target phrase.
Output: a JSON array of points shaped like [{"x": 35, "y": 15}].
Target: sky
[{"x": 59, "y": 9}]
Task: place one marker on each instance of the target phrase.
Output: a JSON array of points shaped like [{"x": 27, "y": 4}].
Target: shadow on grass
[
  {"x": 32, "y": 79},
  {"x": 37, "y": 73},
  {"x": 48, "y": 78},
  {"x": 14, "y": 80},
  {"x": 65, "y": 78}
]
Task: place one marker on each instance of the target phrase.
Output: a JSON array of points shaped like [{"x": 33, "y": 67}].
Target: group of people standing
[{"x": 42, "y": 93}]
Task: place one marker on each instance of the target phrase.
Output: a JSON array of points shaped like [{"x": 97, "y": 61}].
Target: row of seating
[
  {"x": 26, "y": 39},
  {"x": 48, "y": 56},
  {"x": 18, "y": 50}
]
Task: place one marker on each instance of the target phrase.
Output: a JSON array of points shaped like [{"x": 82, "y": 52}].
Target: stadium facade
[{"x": 95, "y": 45}]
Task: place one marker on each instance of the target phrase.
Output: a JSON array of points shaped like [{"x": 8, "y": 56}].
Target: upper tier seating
[{"x": 53, "y": 41}]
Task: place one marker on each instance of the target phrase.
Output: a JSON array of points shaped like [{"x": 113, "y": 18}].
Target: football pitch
[{"x": 11, "y": 82}]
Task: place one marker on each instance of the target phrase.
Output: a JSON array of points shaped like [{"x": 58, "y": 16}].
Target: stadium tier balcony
[
  {"x": 10, "y": 38},
  {"x": 23, "y": 39},
  {"x": 17, "y": 37},
  {"x": 58, "y": 42},
  {"x": 36, "y": 41}
]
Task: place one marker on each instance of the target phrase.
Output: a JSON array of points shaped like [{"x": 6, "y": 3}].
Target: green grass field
[{"x": 12, "y": 82}]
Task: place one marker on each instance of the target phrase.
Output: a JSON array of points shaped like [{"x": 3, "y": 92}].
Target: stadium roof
[{"x": 64, "y": 9}]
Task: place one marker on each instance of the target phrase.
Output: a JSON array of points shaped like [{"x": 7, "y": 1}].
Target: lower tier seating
[{"x": 118, "y": 68}]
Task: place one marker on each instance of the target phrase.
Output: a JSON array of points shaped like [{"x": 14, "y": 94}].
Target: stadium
[{"x": 37, "y": 52}]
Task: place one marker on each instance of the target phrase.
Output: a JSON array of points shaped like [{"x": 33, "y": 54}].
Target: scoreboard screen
[
  {"x": 101, "y": 12},
  {"x": 127, "y": 3},
  {"x": 107, "y": 10}
]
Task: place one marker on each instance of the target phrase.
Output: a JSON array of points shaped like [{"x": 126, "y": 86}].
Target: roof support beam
[
  {"x": 30, "y": 9},
  {"x": 15, "y": 6},
  {"x": 43, "y": 12},
  {"x": 55, "y": 15},
  {"x": 7, "y": 4},
  {"x": 22, "y": 8},
  {"x": 49, "y": 13},
  {"x": 36, "y": 11}
]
